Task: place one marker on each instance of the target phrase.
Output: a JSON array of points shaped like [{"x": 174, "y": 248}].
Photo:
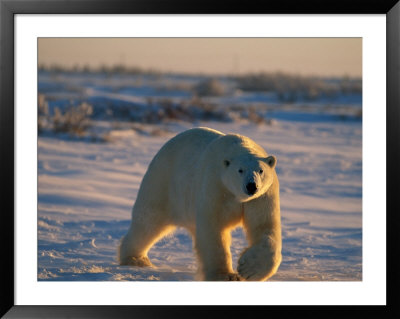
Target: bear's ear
[{"x": 271, "y": 161}]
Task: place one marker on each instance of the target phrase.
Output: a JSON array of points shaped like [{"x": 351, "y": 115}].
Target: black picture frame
[{"x": 8, "y": 10}]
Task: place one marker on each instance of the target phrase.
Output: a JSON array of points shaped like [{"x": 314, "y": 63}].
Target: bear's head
[{"x": 247, "y": 172}]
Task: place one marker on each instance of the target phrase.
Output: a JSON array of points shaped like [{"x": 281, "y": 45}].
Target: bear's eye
[
  {"x": 226, "y": 163},
  {"x": 261, "y": 171},
  {"x": 240, "y": 171}
]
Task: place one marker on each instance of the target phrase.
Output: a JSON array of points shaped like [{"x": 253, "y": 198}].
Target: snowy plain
[{"x": 87, "y": 185}]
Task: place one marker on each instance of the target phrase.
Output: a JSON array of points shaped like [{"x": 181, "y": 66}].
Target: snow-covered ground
[{"x": 86, "y": 188}]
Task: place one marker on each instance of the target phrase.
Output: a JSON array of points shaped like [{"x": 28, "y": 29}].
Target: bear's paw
[
  {"x": 142, "y": 261},
  {"x": 224, "y": 277},
  {"x": 232, "y": 277},
  {"x": 258, "y": 263}
]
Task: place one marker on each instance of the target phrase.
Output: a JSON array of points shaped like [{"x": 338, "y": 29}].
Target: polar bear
[{"x": 210, "y": 183}]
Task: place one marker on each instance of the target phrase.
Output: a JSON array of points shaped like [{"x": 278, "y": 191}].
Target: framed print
[{"x": 117, "y": 204}]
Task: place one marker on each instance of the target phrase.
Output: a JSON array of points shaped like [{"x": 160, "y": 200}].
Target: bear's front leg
[
  {"x": 213, "y": 251},
  {"x": 261, "y": 220}
]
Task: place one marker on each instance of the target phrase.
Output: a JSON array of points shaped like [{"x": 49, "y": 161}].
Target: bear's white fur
[{"x": 209, "y": 183}]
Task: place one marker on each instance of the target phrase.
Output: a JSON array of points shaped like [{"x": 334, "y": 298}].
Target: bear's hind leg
[{"x": 140, "y": 238}]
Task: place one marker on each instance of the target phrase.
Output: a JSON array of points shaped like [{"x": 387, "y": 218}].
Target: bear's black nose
[{"x": 251, "y": 188}]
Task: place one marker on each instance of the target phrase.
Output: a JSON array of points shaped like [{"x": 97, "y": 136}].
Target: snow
[{"x": 86, "y": 187}]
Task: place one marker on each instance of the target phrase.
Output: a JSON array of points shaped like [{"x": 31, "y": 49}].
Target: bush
[
  {"x": 43, "y": 113},
  {"x": 75, "y": 120},
  {"x": 290, "y": 88},
  {"x": 211, "y": 87}
]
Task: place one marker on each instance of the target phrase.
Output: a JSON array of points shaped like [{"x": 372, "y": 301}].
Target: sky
[{"x": 301, "y": 56}]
